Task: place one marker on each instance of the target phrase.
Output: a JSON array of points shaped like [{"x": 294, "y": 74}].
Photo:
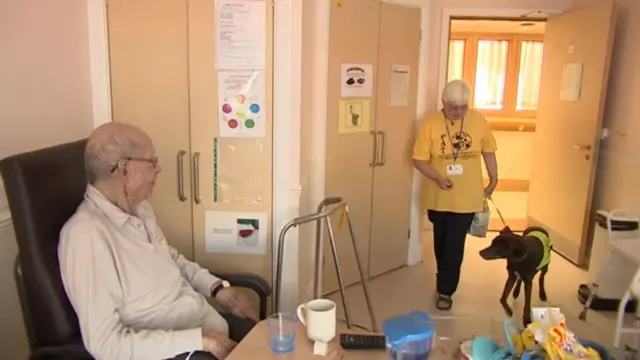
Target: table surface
[{"x": 256, "y": 346}]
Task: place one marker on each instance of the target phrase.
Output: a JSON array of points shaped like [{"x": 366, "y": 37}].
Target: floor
[{"x": 476, "y": 309}]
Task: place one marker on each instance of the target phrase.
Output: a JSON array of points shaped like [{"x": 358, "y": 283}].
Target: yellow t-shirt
[{"x": 434, "y": 144}]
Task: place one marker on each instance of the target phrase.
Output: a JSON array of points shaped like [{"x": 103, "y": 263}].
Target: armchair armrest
[{"x": 253, "y": 282}]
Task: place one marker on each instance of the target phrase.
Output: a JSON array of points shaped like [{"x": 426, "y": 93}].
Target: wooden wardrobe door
[
  {"x": 240, "y": 192},
  {"x": 149, "y": 89},
  {"x": 398, "y": 60},
  {"x": 349, "y": 173}
]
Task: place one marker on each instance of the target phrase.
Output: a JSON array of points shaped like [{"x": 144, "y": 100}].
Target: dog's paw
[{"x": 543, "y": 296}]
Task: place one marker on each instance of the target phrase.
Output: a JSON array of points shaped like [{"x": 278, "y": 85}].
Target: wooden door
[
  {"x": 567, "y": 131},
  {"x": 353, "y": 39},
  {"x": 149, "y": 89},
  {"x": 395, "y": 123},
  {"x": 241, "y": 162}
]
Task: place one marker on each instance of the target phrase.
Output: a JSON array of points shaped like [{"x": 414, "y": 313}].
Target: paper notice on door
[
  {"x": 399, "y": 85},
  {"x": 571, "y": 82},
  {"x": 356, "y": 80},
  {"x": 235, "y": 232},
  {"x": 354, "y": 116},
  {"x": 241, "y": 34}
]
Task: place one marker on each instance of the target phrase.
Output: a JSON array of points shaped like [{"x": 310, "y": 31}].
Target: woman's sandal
[{"x": 444, "y": 302}]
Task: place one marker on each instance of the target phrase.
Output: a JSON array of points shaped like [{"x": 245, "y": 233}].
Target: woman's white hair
[{"x": 456, "y": 92}]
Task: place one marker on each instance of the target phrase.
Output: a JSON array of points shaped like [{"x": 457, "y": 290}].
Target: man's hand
[
  {"x": 217, "y": 344},
  {"x": 238, "y": 304},
  {"x": 488, "y": 191}
]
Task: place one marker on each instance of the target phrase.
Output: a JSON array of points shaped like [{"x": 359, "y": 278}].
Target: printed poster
[
  {"x": 399, "y": 85},
  {"x": 241, "y": 35},
  {"x": 356, "y": 80},
  {"x": 230, "y": 232},
  {"x": 354, "y": 116},
  {"x": 241, "y": 104}
]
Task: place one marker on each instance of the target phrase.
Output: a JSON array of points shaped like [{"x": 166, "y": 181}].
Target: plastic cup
[{"x": 282, "y": 332}]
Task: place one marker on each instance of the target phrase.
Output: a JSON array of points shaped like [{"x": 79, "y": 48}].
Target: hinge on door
[{"x": 409, "y": 234}]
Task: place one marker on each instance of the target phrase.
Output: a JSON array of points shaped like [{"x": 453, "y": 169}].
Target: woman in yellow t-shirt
[{"x": 448, "y": 152}]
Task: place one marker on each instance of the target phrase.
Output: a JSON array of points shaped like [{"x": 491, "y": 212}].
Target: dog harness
[{"x": 546, "y": 248}]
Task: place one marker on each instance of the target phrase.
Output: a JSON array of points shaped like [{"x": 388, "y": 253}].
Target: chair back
[{"x": 44, "y": 188}]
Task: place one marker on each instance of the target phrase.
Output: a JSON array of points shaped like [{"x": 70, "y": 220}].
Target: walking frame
[{"x": 323, "y": 214}]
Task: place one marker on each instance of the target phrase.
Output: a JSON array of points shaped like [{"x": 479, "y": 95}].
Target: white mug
[{"x": 319, "y": 317}]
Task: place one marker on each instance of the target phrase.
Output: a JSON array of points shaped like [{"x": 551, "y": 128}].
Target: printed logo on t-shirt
[{"x": 462, "y": 141}]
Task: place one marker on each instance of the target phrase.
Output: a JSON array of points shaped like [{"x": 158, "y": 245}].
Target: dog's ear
[{"x": 506, "y": 230}]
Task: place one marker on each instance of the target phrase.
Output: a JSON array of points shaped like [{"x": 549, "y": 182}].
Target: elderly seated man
[{"x": 136, "y": 297}]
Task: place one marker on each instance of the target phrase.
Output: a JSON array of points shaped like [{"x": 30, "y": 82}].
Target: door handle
[
  {"x": 375, "y": 149},
  {"x": 582, "y": 147},
  {"x": 196, "y": 178},
  {"x": 181, "y": 195},
  {"x": 383, "y": 148}
]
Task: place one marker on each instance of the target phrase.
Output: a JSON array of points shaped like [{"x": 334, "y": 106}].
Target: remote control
[{"x": 362, "y": 341}]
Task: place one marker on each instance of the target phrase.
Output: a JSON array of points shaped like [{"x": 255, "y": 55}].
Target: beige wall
[
  {"x": 514, "y": 158},
  {"x": 618, "y": 180},
  {"x": 45, "y": 99}
]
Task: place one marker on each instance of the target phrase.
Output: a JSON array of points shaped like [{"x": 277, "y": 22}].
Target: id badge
[{"x": 454, "y": 169}]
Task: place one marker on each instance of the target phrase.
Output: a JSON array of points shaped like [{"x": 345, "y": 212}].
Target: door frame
[
  {"x": 448, "y": 13},
  {"x": 318, "y": 118},
  {"x": 286, "y": 108}
]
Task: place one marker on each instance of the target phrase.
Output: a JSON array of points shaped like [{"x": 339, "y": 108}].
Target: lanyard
[{"x": 455, "y": 152}]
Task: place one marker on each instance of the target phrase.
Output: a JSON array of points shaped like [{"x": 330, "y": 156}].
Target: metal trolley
[{"x": 326, "y": 208}]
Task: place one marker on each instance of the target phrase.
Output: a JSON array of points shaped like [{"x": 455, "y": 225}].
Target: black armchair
[{"x": 44, "y": 188}]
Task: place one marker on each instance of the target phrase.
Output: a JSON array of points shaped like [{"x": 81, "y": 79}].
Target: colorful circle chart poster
[{"x": 241, "y": 104}]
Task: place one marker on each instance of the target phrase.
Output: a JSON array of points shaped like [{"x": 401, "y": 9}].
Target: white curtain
[
  {"x": 491, "y": 74},
  {"x": 456, "y": 60},
  {"x": 529, "y": 75}
]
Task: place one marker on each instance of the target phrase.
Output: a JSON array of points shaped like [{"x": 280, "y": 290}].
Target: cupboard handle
[
  {"x": 383, "y": 148},
  {"x": 181, "y": 195},
  {"x": 375, "y": 149},
  {"x": 196, "y": 178}
]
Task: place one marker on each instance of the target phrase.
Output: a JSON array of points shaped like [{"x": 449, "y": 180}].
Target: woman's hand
[
  {"x": 444, "y": 183},
  {"x": 488, "y": 191}
]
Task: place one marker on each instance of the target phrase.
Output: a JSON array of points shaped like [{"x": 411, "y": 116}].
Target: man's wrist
[{"x": 218, "y": 286}]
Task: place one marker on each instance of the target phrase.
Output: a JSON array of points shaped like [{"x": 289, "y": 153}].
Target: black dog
[{"x": 526, "y": 254}]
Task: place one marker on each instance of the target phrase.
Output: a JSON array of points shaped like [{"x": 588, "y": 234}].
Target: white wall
[{"x": 45, "y": 99}]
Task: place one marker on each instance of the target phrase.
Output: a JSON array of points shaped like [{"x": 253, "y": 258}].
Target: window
[{"x": 503, "y": 71}]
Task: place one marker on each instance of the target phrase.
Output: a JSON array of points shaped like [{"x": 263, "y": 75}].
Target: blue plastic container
[
  {"x": 410, "y": 336},
  {"x": 604, "y": 354}
]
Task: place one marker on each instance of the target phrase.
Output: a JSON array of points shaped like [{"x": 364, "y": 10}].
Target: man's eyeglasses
[{"x": 153, "y": 161}]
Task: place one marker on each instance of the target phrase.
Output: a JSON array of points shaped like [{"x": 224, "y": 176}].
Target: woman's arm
[
  {"x": 489, "y": 147},
  {"x": 491, "y": 163},
  {"x": 426, "y": 170}
]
